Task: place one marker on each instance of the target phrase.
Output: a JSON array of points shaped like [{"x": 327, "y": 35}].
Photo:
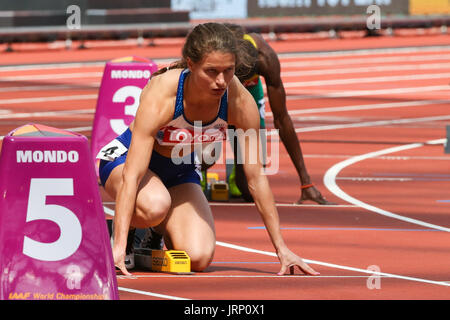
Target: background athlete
[{"x": 266, "y": 64}]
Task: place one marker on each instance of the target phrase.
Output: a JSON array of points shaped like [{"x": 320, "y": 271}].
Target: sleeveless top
[
  {"x": 180, "y": 130},
  {"x": 254, "y": 78}
]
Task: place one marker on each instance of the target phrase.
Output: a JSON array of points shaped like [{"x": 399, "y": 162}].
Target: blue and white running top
[{"x": 182, "y": 131}]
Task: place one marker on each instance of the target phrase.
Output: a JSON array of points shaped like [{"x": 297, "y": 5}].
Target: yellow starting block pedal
[
  {"x": 172, "y": 261},
  {"x": 212, "y": 177},
  {"x": 219, "y": 191}
]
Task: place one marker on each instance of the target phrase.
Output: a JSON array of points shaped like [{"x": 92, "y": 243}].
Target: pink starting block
[
  {"x": 54, "y": 241},
  {"x": 118, "y": 98}
]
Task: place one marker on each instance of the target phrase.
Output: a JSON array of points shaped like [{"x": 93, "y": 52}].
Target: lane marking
[
  {"x": 49, "y": 99},
  {"x": 331, "y": 174},
  {"x": 367, "y": 124},
  {"x": 47, "y": 66},
  {"x": 320, "y": 94},
  {"x": 46, "y": 114},
  {"x": 336, "y": 266},
  {"x": 289, "y": 55},
  {"x": 111, "y": 212},
  {"x": 197, "y": 276},
  {"x": 352, "y": 52},
  {"x": 152, "y": 294},
  {"x": 84, "y": 86},
  {"x": 347, "y": 229},
  {"x": 389, "y": 179},
  {"x": 218, "y": 204},
  {"x": 388, "y": 105},
  {"x": 52, "y": 76},
  {"x": 395, "y": 158},
  {"x": 354, "y": 61},
  {"x": 359, "y": 70},
  {"x": 366, "y": 80},
  {"x": 374, "y": 179},
  {"x": 329, "y": 127}
]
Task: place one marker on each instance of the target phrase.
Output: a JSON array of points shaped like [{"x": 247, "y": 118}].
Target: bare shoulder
[
  {"x": 165, "y": 84},
  {"x": 242, "y": 109},
  {"x": 157, "y": 99}
]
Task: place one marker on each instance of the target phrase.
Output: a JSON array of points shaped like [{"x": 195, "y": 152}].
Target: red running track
[{"x": 355, "y": 109}]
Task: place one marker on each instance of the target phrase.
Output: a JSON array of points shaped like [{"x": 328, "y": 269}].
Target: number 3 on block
[{"x": 67, "y": 221}]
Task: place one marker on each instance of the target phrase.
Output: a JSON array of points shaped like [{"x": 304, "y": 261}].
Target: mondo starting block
[
  {"x": 54, "y": 242},
  {"x": 118, "y": 98},
  {"x": 171, "y": 261}
]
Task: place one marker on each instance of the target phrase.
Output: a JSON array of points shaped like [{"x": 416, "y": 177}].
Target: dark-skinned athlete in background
[{"x": 266, "y": 64}]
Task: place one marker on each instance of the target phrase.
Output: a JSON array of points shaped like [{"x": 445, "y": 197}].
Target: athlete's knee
[
  {"x": 201, "y": 258},
  {"x": 153, "y": 207}
]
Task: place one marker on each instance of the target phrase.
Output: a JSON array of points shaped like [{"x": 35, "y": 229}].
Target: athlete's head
[
  {"x": 214, "y": 41},
  {"x": 211, "y": 54}
]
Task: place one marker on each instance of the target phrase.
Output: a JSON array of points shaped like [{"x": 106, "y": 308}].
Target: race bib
[{"x": 112, "y": 150}]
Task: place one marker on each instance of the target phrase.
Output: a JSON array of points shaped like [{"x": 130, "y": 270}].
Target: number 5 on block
[{"x": 53, "y": 236}]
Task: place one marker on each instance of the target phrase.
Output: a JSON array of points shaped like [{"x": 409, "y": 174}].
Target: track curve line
[{"x": 331, "y": 174}]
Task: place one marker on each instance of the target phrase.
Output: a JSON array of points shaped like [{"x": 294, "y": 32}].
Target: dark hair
[
  {"x": 206, "y": 38},
  {"x": 248, "y": 54}
]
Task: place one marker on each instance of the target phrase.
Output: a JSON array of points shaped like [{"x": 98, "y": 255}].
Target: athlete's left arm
[
  {"x": 269, "y": 67},
  {"x": 244, "y": 116}
]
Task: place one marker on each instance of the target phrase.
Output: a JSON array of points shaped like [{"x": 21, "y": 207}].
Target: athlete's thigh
[{"x": 151, "y": 187}]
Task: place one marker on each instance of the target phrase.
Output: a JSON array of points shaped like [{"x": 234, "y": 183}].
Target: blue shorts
[{"x": 171, "y": 174}]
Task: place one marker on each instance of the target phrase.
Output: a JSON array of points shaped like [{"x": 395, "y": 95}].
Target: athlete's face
[{"x": 214, "y": 72}]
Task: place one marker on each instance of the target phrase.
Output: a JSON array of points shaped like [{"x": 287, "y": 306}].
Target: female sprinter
[{"x": 156, "y": 187}]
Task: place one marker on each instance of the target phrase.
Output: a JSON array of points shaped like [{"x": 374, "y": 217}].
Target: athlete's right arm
[{"x": 154, "y": 112}]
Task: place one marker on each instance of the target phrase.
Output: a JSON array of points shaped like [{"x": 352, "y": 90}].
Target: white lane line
[
  {"x": 69, "y": 65},
  {"x": 375, "y": 179},
  {"x": 336, "y": 266},
  {"x": 363, "y": 52},
  {"x": 152, "y": 294},
  {"x": 341, "y": 54},
  {"x": 367, "y": 124},
  {"x": 354, "y": 61},
  {"x": 49, "y": 99},
  {"x": 199, "y": 276},
  {"x": 81, "y": 86},
  {"x": 46, "y": 114},
  {"x": 111, "y": 212},
  {"x": 394, "y": 158},
  {"x": 388, "y": 105},
  {"x": 291, "y": 205},
  {"x": 404, "y": 67},
  {"x": 331, "y": 175},
  {"x": 413, "y": 77},
  {"x": 320, "y": 94},
  {"x": 52, "y": 76}
]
